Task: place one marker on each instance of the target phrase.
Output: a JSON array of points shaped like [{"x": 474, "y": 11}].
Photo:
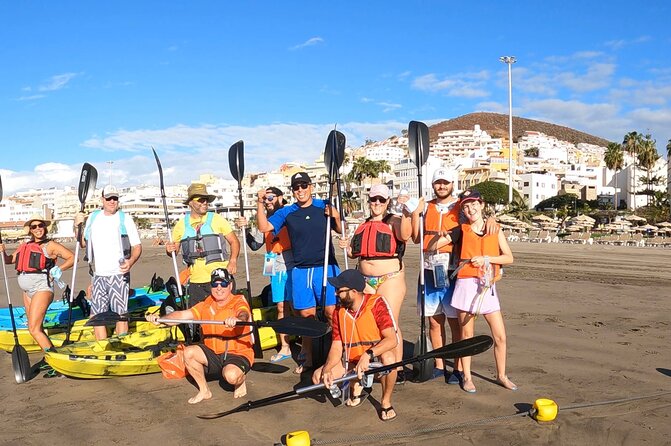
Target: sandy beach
[{"x": 586, "y": 324}]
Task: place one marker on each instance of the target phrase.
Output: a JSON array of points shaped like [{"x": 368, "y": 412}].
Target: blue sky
[{"x": 104, "y": 81}]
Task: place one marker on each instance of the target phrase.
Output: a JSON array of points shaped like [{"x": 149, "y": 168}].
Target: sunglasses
[
  {"x": 112, "y": 199},
  {"x": 299, "y": 186},
  {"x": 377, "y": 200},
  {"x": 270, "y": 197},
  {"x": 38, "y": 225},
  {"x": 220, "y": 283},
  {"x": 200, "y": 200}
]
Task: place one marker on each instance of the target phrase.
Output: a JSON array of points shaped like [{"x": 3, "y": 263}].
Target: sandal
[
  {"x": 52, "y": 374},
  {"x": 277, "y": 357},
  {"x": 384, "y": 413},
  {"x": 357, "y": 400}
]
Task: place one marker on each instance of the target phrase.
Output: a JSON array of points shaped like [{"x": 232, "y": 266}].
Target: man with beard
[
  {"x": 364, "y": 330},
  {"x": 306, "y": 225},
  {"x": 278, "y": 260}
]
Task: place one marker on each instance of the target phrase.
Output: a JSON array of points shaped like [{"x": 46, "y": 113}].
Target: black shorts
[{"x": 216, "y": 363}]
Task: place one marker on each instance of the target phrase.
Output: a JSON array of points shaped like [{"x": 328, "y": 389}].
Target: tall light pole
[
  {"x": 110, "y": 164},
  {"x": 510, "y": 60}
]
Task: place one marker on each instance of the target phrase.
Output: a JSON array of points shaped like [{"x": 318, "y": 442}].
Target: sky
[{"x": 103, "y": 82}]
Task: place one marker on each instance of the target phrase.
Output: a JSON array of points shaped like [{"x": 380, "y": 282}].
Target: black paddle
[
  {"x": 167, "y": 221},
  {"x": 87, "y": 185},
  {"x": 291, "y": 325},
  {"x": 338, "y": 140},
  {"x": 236, "y": 163},
  {"x": 418, "y": 148},
  {"x": 20, "y": 360},
  {"x": 466, "y": 347}
]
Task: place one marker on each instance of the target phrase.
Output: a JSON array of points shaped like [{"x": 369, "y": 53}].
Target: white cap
[
  {"x": 442, "y": 173},
  {"x": 110, "y": 191}
]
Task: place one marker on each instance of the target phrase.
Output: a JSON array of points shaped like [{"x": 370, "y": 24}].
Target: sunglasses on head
[
  {"x": 299, "y": 186},
  {"x": 200, "y": 200},
  {"x": 38, "y": 225},
  {"x": 220, "y": 283},
  {"x": 377, "y": 200},
  {"x": 111, "y": 198}
]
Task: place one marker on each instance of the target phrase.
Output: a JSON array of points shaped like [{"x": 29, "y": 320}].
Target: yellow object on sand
[
  {"x": 545, "y": 409},
  {"x": 298, "y": 438}
]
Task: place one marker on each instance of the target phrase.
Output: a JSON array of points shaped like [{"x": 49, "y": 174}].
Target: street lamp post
[
  {"x": 110, "y": 164},
  {"x": 510, "y": 60}
]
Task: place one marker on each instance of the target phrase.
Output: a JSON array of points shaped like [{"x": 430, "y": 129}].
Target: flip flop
[
  {"x": 52, "y": 374},
  {"x": 385, "y": 411},
  {"x": 277, "y": 357},
  {"x": 363, "y": 396}
]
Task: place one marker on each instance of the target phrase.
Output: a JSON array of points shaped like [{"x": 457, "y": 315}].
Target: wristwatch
[{"x": 371, "y": 355}]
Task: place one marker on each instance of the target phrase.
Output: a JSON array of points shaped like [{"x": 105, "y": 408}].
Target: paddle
[
  {"x": 20, "y": 360},
  {"x": 291, "y": 325},
  {"x": 418, "y": 148},
  {"x": 167, "y": 220},
  {"x": 466, "y": 347},
  {"x": 337, "y": 142},
  {"x": 236, "y": 163},
  {"x": 87, "y": 185}
]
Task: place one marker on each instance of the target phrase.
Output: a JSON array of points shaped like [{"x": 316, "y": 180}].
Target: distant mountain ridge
[{"x": 496, "y": 124}]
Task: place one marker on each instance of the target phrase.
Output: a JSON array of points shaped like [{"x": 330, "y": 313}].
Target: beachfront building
[
  {"x": 453, "y": 145},
  {"x": 629, "y": 184},
  {"x": 392, "y": 150},
  {"x": 537, "y": 187},
  {"x": 548, "y": 147}
]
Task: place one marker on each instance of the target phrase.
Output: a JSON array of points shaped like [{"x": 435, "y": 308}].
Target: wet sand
[{"x": 585, "y": 324}]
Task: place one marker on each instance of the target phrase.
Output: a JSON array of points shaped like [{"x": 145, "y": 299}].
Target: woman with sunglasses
[
  {"x": 37, "y": 270},
  {"x": 227, "y": 351},
  {"x": 379, "y": 244}
]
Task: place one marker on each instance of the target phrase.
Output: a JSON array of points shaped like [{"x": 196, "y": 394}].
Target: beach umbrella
[
  {"x": 664, "y": 224},
  {"x": 633, "y": 217},
  {"x": 541, "y": 217}
]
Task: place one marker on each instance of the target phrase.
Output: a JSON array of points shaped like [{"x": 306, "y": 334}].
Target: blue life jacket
[
  {"x": 202, "y": 243},
  {"x": 123, "y": 234}
]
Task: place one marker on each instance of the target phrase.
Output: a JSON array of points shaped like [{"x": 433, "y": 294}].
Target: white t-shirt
[{"x": 105, "y": 239}]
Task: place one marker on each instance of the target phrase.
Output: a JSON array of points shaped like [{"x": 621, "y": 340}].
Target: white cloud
[
  {"x": 467, "y": 85},
  {"x": 57, "y": 82},
  {"x": 598, "y": 76},
  {"x": 617, "y": 44},
  {"x": 310, "y": 42},
  {"x": 32, "y": 97}
]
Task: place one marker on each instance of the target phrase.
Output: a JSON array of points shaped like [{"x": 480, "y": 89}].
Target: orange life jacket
[
  {"x": 30, "y": 258},
  {"x": 433, "y": 223},
  {"x": 213, "y": 334},
  {"x": 473, "y": 245},
  {"x": 278, "y": 243},
  {"x": 360, "y": 334},
  {"x": 375, "y": 239}
]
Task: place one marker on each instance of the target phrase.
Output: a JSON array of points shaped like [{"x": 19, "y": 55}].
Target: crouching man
[
  {"x": 364, "y": 330},
  {"x": 223, "y": 352}
]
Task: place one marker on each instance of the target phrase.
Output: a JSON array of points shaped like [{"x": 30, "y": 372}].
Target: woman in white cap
[
  {"x": 379, "y": 244},
  {"x": 37, "y": 270}
]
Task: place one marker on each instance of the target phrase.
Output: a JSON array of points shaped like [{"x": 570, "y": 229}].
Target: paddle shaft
[
  {"x": 167, "y": 223},
  {"x": 78, "y": 238},
  {"x": 9, "y": 300}
]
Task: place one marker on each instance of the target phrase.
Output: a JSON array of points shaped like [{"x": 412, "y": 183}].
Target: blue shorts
[
  {"x": 306, "y": 287},
  {"x": 436, "y": 300},
  {"x": 280, "y": 287}
]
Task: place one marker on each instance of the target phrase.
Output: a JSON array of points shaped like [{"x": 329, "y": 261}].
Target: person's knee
[
  {"x": 500, "y": 339},
  {"x": 233, "y": 375},
  {"x": 388, "y": 357}
]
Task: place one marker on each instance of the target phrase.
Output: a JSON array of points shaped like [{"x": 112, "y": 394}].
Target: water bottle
[
  {"x": 56, "y": 274},
  {"x": 335, "y": 391},
  {"x": 398, "y": 207}
]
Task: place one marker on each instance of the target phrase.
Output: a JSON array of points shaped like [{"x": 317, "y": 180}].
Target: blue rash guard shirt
[{"x": 307, "y": 232}]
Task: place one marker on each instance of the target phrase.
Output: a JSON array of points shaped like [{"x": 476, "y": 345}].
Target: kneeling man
[
  {"x": 363, "y": 330},
  {"x": 223, "y": 352}
]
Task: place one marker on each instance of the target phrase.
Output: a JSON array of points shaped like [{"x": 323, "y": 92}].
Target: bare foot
[
  {"x": 507, "y": 383},
  {"x": 468, "y": 386},
  {"x": 202, "y": 395},
  {"x": 240, "y": 390}
]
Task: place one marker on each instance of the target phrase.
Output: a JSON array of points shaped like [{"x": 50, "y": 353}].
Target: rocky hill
[{"x": 496, "y": 125}]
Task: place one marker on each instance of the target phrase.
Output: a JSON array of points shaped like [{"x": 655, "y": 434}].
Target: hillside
[{"x": 496, "y": 125}]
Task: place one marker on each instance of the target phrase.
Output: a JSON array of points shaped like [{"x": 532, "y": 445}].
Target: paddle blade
[
  {"x": 87, "y": 182},
  {"x": 334, "y": 152},
  {"x": 242, "y": 407},
  {"x": 20, "y": 364},
  {"x": 104, "y": 318},
  {"x": 236, "y": 160},
  {"x": 299, "y": 326},
  {"x": 467, "y": 347},
  {"x": 418, "y": 142},
  {"x": 160, "y": 171}
]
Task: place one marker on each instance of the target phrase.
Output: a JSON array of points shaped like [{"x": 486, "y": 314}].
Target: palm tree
[
  {"x": 614, "y": 159},
  {"x": 647, "y": 158},
  {"x": 364, "y": 168},
  {"x": 632, "y": 144}
]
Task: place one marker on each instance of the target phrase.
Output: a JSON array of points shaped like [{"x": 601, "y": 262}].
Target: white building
[
  {"x": 537, "y": 187},
  {"x": 474, "y": 143}
]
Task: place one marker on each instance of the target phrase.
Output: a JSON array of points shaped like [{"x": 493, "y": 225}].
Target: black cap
[
  {"x": 300, "y": 177},
  {"x": 275, "y": 191},
  {"x": 221, "y": 274},
  {"x": 350, "y": 278},
  {"x": 470, "y": 195}
]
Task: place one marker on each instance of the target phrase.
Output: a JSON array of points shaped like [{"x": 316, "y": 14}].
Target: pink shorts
[{"x": 468, "y": 297}]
